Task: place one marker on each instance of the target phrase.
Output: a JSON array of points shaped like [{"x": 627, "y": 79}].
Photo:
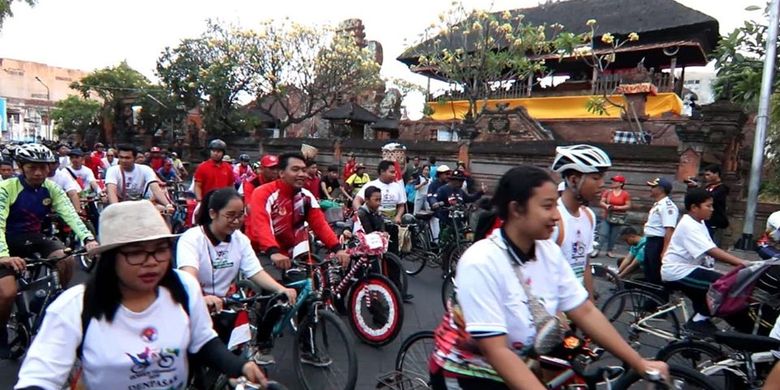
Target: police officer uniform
[{"x": 662, "y": 215}]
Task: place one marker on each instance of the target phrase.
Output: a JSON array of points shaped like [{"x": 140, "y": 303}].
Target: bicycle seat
[
  {"x": 423, "y": 215},
  {"x": 747, "y": 342},
  {"x": 343, "y": 225}
]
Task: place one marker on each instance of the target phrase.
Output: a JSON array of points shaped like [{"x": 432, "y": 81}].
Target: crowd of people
[{"x": 528, "y": 267}]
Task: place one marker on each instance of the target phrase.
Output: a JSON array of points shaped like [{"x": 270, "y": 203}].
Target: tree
[
  {"x": 5, "y": 8},
  {"x": 74, "y": 115}
]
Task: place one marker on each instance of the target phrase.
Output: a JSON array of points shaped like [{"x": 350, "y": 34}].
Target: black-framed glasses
[
  {"x": 237, "y": 217},
  {"x": 139, "y": 256}
]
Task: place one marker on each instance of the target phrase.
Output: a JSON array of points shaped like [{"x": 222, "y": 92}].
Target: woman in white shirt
[
  {"x": 688, "y": 262},
  {"x": 420, "y": 200},
  {"x": 215, "y": 252},
  {"x": 135, "y": 321},
  {"x": 489, "y": 324}
]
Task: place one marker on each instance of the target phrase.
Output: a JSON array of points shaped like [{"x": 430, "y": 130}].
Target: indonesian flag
[{"x": 240, "y": 333}]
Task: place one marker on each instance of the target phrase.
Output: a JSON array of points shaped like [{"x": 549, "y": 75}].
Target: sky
[{"x": 91, "y": 34}]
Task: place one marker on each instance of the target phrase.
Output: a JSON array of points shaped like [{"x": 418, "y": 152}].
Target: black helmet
[
  {"x": 408, "y": 219},
  {"x": 218, "y": 144},
  {"x": 34, "y": 153},
  {"x": 243, "y": 157}
]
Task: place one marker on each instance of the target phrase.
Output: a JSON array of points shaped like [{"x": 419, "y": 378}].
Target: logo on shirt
[
  {"x": 222, "y": 261},
  {"x": 46, "y": 202},
  {"x": 153, "y": 361},
  {"x": 149, "y": 334}
]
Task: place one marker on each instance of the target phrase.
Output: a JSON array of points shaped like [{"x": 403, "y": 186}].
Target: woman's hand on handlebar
[
  {"x": 292, "y": 295},
  {"x": 213, "y": 303},
  {"x": 343, "y": 258},
  {"x": 254, "y": 374}
]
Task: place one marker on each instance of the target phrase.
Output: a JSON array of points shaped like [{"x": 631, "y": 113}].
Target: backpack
[{"x": 732, "y": 292}]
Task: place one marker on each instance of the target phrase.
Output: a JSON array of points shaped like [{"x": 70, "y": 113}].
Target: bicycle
[{"x": 37, "y": 286}]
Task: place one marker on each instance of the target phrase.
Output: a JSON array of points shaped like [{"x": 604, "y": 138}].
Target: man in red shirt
[
  {"x": 351, "y": 166},
  {"x": 314, "y": 180},
  {"x": 156, "y": 159},
  {"x": 269, "y": 171},
  {"x": 278, "y": 210},
  {"x": 213, "y": 173},
  {"x": 95, "y": 160}
]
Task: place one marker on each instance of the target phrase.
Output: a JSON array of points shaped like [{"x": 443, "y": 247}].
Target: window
[{"x": 446, "y": 135}]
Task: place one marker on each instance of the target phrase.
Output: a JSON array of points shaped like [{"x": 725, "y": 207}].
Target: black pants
[
  {"x": 695, "y": 285},
  {"x": 440, "y": 382},
  {"x": 653, "y": 248}
]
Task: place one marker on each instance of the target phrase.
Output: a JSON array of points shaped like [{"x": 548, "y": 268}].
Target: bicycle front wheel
[
  {"x": 447, "y": 289},
  {"x": 412, "y": 358},
  {"x": 699, "y": 356},
  {"x": 376, "y": 312},
  {"x": 680, "y": 377},
  {"x": 324, "y": 353}
]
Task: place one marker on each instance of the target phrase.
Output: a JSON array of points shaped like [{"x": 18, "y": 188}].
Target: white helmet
[
  {"x": 772, "y": 226},
  {"x": 580, "y": 158},
  {"x": 34, "y": 153}
]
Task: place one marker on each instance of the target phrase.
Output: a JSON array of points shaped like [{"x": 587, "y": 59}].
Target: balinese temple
[{"x": 649, "y": 72}]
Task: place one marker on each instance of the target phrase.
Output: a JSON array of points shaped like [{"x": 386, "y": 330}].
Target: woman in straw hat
[{"x": 135, "y": 321}]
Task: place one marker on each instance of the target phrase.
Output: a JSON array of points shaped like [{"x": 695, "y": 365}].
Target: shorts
[{"x": 27, "y": 245}]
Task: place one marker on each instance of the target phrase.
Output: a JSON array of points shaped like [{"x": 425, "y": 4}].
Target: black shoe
[
  {"x": 408, "y": 298},
  {"x": 705, "y": 327}
]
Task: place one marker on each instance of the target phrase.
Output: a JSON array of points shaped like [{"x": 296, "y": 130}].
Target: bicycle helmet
[
  {"x": 218, "y": 144},
  {"x": 580, "y": 158},
  {"x": 408, "y": 219},
  {"x": 773, "y": 226},
  {"x": 243, "y": 157},
  {"x": 34, "y": 153}
]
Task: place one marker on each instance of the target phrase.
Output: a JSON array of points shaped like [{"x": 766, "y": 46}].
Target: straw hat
[{"x": 130, "y": 222}]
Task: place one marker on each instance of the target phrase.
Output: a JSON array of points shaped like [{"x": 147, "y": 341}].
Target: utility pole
[
  {"x": 48, "y": 109},
  {"x": 767, "y": 80}
]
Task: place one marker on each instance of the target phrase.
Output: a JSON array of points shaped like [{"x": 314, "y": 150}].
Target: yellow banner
[{"x": 559, "y": 107}]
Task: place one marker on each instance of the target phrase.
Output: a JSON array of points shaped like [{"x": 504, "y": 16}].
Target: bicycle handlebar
[
  {"x": 36, "y": 259},
  {"x": 235, "y": 300}
]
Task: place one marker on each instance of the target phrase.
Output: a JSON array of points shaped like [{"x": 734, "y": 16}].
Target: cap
[
  {"x": 227, "y": 158},
  {"x": 457, "y": 175},
  {"x": 360, "y": 166},
  {"x": 75, "y": 152},
  {"x": 661, "y": 182},
  {"x": 619, "y": 179},
  {"x": 99, "y": 145},
  {"x": 154, "y": 149},
  {"x": 442, "y": 169},
  {"x": 269, "y": 161}
]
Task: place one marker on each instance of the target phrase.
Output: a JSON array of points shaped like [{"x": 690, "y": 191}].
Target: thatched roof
[
  {"x": 656, "y": 21},
  {"x": 351, "y": 111}
]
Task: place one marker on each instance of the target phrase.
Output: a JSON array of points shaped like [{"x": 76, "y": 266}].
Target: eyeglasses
[
  {"x": 138, "y": 257},
  {"x": 235, "y": 217}
]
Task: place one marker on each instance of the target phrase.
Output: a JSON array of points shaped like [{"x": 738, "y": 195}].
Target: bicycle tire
[
  {"x": 605, "y": 282},
  {"x": 447, "y": 288},
  {"x": 691, "y": 379},
  {"x": 699, "y": 355},
  {"x": 625, "y": 308},
  {"x": 391, "y": 320},
  {"x": 412, "y": 357},
  {"x": 308, "y": 379},
  {"x": 414, "y": 262},
  {"x": 455, "y": 256}
]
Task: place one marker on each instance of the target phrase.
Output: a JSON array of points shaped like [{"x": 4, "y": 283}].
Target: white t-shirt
[
  {"x": 662, "y": 215},
  {"x": 146, "y": 350},
  {"x": 84, "y": 175},
  {"x": 64, "y": 162},
  {"x": 393, "y": 194},
  {"x": 687, "y": 250},
  {"x": 64, "y": 180},
  {"x": 136, "y": 182},
  {"x": 217, "y": 266},
  {"x": 775, "y": 333},
  {"x": 492, "y": 299},
  {"x": 578, "y": 233}
]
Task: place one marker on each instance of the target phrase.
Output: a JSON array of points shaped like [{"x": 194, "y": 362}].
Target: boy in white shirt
[{"x": 687, "y": 264}]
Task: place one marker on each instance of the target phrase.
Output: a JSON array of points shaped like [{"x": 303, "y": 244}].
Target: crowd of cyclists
[{"x": 153, "y": 307}]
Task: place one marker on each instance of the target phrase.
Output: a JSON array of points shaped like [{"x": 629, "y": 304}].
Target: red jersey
[
  {"x": 277, "y": 213},
  {"x": 349, "y": 169},
  {"x": 313, "y": 185},
  {"x": 93, "y": 163},
  {"x": 157, "y": 163},
  {"x": 213, "y": 176}
]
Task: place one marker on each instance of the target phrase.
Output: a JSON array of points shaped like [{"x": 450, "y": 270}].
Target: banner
[{"x": 3, "y": 115}]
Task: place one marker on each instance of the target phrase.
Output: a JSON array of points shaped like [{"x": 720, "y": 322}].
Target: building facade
[{"x": 28, "y": 92}]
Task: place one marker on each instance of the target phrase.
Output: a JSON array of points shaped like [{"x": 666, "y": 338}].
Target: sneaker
[
  {"x": 705, "y": 327},
  {"x": 316, "y": 359},
  {"x": 263, "y": 357}
]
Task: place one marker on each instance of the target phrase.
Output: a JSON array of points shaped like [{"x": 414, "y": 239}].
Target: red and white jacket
[{"x": 278, "y": 215}]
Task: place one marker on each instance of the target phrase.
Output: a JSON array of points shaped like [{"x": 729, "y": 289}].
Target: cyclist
[
  {"x": 215, "y": 252},
  {"x": 108, "y": 161},
  {"x": 268, "y": 172},
  {"x": 331, "y": 187},
  {"x": 689, "y": 260},
  {"x": 279, "y": 211},
  {"x": 179, "y": 165},
  {"x": 213, "y": 173},
  {"x": 357, "y": 180},
  {"x": 453, "y": 192},
  {"x": 25, "y": 202},
  {"x": 155, "y": 159},
  {"x": 83, "y": 175},
  {"x": 659, "y": 227},
  {"x": 242, "y": 171},
  {"x": 167, "y": 173},
  {"x": 509, "y": 286},
  {"x": 393, "y": 192},
  {"x": 6, "y": 169},
  {"x": 67, "y": 183},
  {"x": 314, "y": 180},
  {"x": 139, "y": 318},
  {"x": 442, "y": 174},
  {"x": 369, "y": 218},
  {"x": 582, "y": 169},
  {"x": 350, "y": 167},
  {"x": 132, "y": 181}
]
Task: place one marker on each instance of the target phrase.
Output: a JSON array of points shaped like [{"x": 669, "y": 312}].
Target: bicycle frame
[
  {"x": 679, "y": 303},
  {"x": 304, "y": 288},
  {"x": 50, "y": 283}
]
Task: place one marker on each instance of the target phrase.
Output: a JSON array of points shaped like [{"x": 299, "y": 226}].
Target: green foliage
[
  {"x": 74, "y": 115},
  {"x": 5, "y": 8},
  {"x": 597, "y": 105}
]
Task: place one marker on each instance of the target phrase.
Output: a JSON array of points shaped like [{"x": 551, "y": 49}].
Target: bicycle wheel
[
  {"x": 329, "y": 353},
  {"x": 447, "y": 289},
  {"x": 699, "y": 355},
  {"x": 414, "y": 261},
  {"x": 605, "y": 283},
  {"x": 18, "y": 336},
  {"x": 628, "y": 311},
  {"x": 681, "y": 378},
  {"x": 376, "y": 311},
  {"x": 412, "y": 358},
  {"x": 455, "y": 256},
  {"x": 395, "y": 271}
]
